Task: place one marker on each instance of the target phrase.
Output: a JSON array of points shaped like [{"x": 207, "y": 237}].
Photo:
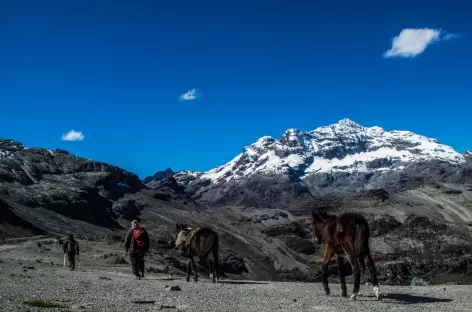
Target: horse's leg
[
  {"x": 189, "y": 269},
  {"x": 194, "y": 267},
  {"x": 216, "y": 262},
  {"x": 341, "y": 276},
  {"x": 328, "y": 255},
  {"x": 348, "y": 249},
  {"x": 373, "y": 273},
  {"x": 212, "y": 270}
]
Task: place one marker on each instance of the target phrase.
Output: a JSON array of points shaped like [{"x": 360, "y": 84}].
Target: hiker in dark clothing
[
  {"x": 71, "y": 248},
  {"x": 137, "y": 242}
]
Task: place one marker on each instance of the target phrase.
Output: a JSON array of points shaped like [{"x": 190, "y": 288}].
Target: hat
[{"x": 134, "y": 224}]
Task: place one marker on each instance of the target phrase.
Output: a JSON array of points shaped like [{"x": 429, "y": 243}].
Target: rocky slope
[{"x": 45, "y": 185}]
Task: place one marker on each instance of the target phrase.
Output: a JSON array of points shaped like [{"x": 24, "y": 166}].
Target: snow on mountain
[
  {"x": 184, "y": 177},
  {"x": 7, "y": 147},
  {"x": 341, "y": 147}
]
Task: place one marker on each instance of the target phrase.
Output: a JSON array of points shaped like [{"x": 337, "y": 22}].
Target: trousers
[
  {"x": 137, "y": 262},
  {"x": 71, "y": 260}
]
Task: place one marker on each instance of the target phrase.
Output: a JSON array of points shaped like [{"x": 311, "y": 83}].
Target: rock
[
  {"x": 300, "y": 245},
  {"x": 172, "y": 288},
  {"x": 176, "y": 263},
  {"x": 157, "y": 270},
  {"x": 232, "y": 263},
  {"x": 128, "y": 208},
  {"x": 112, "y": 258},
  {"x": 419, "y": 282},
  {"x": 162, "y": 175},
  {"x": 104, "y": 278},
  {"x": 383, "y": 225},
  {"x": 293, "y": 228},
  {"x": 164, "y": 306},
  {"x": 78, "y": 307}
]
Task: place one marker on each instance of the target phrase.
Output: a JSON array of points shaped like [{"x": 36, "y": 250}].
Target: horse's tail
[{"x": 361, "y": 243}]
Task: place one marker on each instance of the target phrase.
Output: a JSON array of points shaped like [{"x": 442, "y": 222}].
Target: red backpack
[{"x": 138, "y": 236}]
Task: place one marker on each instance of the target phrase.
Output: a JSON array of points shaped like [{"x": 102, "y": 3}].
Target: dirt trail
[{"x": 95, "y": 287}]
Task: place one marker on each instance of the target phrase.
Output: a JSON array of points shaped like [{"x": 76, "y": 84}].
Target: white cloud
[
  {"x": 413, "y": 41},
  {"x": 190, "y": 95},
  {"x": 73, "y": 135}
]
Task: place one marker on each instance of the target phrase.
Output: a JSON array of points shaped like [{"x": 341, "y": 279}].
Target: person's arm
[
  {"x": 147, "y": 241},
  {"x": 127, "y": 241}
]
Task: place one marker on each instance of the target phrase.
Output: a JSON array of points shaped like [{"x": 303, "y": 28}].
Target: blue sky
[{"x": 122, "y": 73}]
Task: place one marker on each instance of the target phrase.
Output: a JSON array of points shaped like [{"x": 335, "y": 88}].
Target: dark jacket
[
  {"x": 66, "y": 245},
  {"x": 129, "y": 241}
]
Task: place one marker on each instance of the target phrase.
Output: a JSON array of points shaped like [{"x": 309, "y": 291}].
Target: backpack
[
  {"x": 138, "y": 237},
  {"x": 72, "y": 247}
]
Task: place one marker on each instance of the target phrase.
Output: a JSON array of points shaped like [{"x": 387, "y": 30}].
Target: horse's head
[
  {"x": 182, "y": 231},
  {"x": 319, "y": 222}
]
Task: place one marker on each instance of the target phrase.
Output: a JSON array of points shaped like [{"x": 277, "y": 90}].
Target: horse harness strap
[{"x": 189, "y": 236}]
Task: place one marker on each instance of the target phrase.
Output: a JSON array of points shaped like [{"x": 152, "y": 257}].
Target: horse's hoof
[
  {"x": 327, "y": 292},
  {"x": 377, "y": 292},
  {"x": 344, "y": 295},
  {"x": 354, "y": 296}
]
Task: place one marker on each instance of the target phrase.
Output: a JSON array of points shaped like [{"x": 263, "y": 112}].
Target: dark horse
[
  {"x": 198, "y": 242},
  {"x": 346, "y": 235}
]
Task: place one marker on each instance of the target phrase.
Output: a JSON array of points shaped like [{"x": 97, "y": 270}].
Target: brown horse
[
  {"x": 198, "y": 242},
  {"x": 346, "y": 235}
]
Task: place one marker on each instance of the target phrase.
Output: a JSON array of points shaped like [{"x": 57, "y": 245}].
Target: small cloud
[
  {"x": 73, "y": 135},
  {"x": 451, "y": 36},
  {"x": 413, "y": 41},
  {"x": 190, "y": 95}
]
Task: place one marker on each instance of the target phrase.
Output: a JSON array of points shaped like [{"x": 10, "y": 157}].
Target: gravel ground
[{"x": 93, "y": 289}]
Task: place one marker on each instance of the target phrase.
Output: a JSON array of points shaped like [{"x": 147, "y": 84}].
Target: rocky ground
[{"x": 31, "y": 270}]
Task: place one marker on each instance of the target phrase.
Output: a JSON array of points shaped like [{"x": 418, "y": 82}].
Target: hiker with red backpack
[{"x": 137, "y": 243}]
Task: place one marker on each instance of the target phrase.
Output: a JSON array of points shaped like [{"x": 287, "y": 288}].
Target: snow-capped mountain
[
  {"x": 336, "y": 160},
  {"x": 343, "y": 147},
  {"x": 183, "y": 177}
]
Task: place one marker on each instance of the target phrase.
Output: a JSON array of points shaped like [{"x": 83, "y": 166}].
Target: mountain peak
[
  {"x": 263, "y": 142},
  {"x": 348, "y": 123}
]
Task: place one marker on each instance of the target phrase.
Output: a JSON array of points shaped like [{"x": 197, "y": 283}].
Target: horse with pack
[{"x": 198, "y": 242}]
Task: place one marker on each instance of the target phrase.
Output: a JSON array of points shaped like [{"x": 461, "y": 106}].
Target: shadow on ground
[
  {"x": 241, "y": 282},
  {"x": 411, "y": 299}
]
